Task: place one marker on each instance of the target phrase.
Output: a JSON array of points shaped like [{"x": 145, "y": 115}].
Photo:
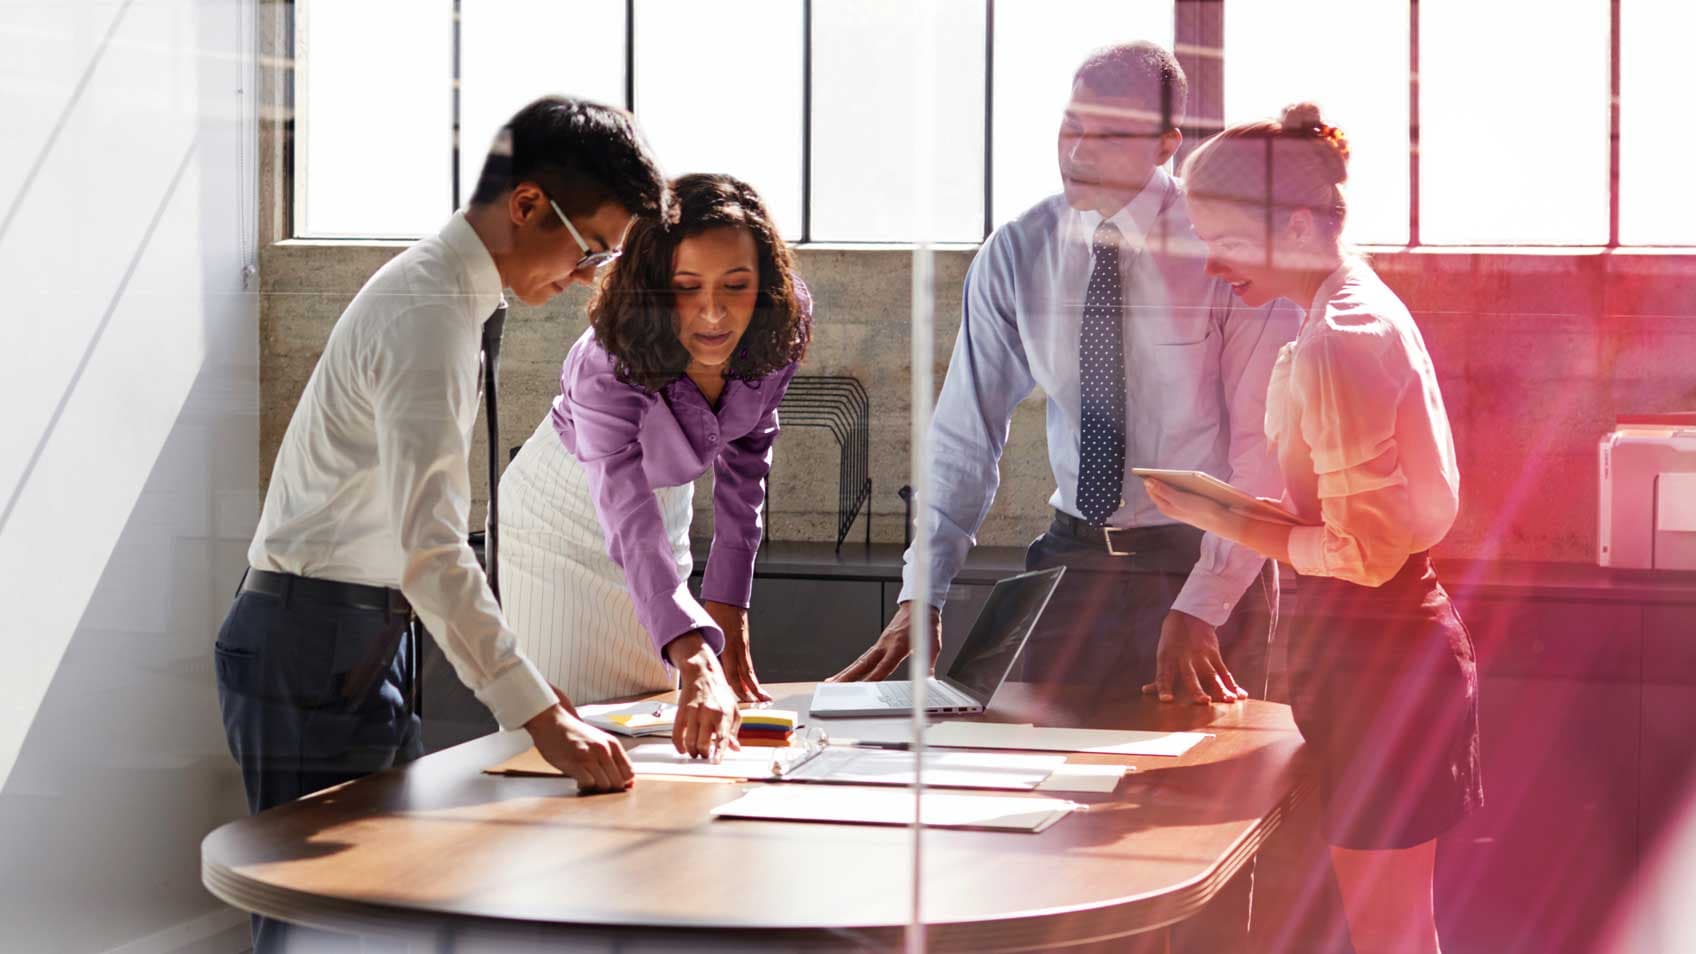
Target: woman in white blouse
[{"x": 1382, "y": 675}]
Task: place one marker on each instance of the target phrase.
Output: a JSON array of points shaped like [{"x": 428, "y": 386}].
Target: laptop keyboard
[{"x": 901, "y": 694}]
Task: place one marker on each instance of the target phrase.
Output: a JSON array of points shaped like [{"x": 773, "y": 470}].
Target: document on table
[
  {"x": 660, "y": 758},
  {"x": 631, "y": 718},
  {"x": 941, "y": 769},
  {"x": 1004, "y": 735},
  {"x": 889, "y": 806},
  {"x": 1079, "y": 777},
  {"x": 992, "y": 735},
  {"x": 985, "y": 770}
]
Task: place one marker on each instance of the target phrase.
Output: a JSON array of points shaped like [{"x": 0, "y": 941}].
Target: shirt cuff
[
  {"x": 517, "y": 695},
  {"x": 1208, "y": 597},
  {"x": 937, "y": 597},
  {"x": 938, "y": 594},
  {"x": 670, "y": 615},
  {"x": 1307, "y": 551},
  {"x": 729, "y": 577}
]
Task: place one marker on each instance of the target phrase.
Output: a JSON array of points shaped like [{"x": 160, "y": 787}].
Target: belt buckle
[{"x": 1107, "y": 538}]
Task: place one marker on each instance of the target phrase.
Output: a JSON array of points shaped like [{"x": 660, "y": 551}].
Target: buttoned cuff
[
  {"x": 670, "y": 615},
  {"x": 517, "y": 695},
  {"x": 1307, "y": 551},
  {"x": 938, "y": 596},
  {"x": 1208, "y": 597},
  {"x": 729, "y": 577}
]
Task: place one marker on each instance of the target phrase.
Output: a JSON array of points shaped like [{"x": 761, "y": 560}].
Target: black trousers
[
  {"x": 1101, "y": 629},
  {"x": 1099, "y": 635},
  {"x": 312, "y": 696}
]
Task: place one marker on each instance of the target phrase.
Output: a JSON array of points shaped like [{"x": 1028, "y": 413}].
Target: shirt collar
[
  {"x": 1332, "y": 284},
  {"x": 1138, "y": 217},
  {"x": 482, "y": 279}
]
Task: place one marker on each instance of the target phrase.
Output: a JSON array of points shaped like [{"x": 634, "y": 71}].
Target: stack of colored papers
[{"x": 767, "y": 727}]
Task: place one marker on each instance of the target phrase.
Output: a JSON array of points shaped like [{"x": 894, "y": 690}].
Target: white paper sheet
[
  {"x": 1070, "y": 777},
  {"x": 1001, "y": 770},
  {"x": 893, "y": 806},
  {"x": 991, "y": 735},
  {"x": 660, "y": 758}
]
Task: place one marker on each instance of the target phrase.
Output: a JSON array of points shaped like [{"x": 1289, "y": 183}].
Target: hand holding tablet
[{"x": 1206, "y": 485}]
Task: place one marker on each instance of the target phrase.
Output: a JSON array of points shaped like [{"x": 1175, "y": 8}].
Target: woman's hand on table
[
  {"x": 592, "y": 757},
  {"x": 738, "y": 656},
  {"x": 707, "y": 717}
]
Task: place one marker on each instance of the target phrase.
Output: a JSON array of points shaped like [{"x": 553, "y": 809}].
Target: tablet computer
[{"x": 1216, "y": 490}]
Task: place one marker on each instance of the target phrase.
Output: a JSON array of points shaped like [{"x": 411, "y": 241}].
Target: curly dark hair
[{"x": 634, "y": 310}]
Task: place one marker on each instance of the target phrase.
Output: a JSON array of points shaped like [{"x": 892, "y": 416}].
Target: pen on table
[{"x": 875, "y": 744}]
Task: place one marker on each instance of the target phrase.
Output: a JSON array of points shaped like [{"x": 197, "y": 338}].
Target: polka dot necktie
[{"x": 1101, "y": 384}]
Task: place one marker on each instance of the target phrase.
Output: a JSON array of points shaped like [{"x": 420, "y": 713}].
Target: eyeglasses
[{"x": 591, "y": 260}]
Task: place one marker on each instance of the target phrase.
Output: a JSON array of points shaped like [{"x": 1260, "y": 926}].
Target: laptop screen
[{"x": 1006, "y": 620}]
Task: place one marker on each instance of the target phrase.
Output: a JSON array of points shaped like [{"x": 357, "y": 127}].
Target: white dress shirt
[
  {"x": 372, "y": 484},
  {"x": 1359, "y": 425},
  {"x": 1197, "y": 363}
]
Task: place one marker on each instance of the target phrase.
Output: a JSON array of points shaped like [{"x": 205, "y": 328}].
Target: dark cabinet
[
  {"x": 806, "y": 630},
  {"x": 1537, "y": 870},
  {"x": 1667, "y": 779},
  {"x": 451, "y": 714}
]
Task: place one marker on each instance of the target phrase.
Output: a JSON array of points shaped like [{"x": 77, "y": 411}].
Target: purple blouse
[{"x": 631, "y": 440}]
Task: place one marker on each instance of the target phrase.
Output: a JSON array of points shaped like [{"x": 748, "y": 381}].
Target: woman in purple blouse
[{"x": 694, "y": 336}]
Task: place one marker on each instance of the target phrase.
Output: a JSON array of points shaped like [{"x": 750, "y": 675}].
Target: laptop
[{"x": 985, "y": 658}]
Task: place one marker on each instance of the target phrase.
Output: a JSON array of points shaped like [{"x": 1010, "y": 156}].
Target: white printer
[{"x": 1647, "y": 516}]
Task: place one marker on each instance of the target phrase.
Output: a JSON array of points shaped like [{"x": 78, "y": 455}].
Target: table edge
[{"x": 1023, "y": 931}]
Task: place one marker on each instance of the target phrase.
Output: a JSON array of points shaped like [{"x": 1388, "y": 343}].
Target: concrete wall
[
  {"x": 861, "y": 329},
  {"x": 1537, "y": 354},
  {"x": 127, "y": 473}
]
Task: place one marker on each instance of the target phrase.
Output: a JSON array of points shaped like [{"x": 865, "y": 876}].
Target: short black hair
[
  {"x": 1140, "y": 70},
  {"x": 582, "y": 154}
]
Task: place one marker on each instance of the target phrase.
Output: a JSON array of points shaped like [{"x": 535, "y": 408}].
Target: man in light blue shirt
[{"x": 1100, "y": 296}]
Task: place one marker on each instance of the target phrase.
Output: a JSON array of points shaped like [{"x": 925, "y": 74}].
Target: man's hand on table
[
  {"x": 737, "y": 658},
  {"x": 707, "y": 717},
  {"x": 892, "y": 647},
  {"x": 592, "y": 757},
  {"x": 1189, "y": 666}
]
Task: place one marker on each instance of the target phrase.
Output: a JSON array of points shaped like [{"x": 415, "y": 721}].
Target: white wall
[{"x": 128, "y": 451}]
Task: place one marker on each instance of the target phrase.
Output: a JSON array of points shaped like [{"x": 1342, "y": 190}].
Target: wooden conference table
[{"x": 439, "y": 852}]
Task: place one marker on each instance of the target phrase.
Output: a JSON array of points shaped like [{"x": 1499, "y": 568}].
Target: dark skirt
[{"x": 1384, "y": 687}]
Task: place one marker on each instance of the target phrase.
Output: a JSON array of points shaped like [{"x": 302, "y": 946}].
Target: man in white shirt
[
  {"x": 1099, "y": 295},
  {"x": 365, "y": 521}
]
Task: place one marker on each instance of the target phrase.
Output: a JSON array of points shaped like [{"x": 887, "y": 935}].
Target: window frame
[{"x": 1198, "y": 43}]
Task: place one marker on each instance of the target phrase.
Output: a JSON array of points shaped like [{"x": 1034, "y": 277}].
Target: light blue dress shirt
[{"x": 1197, "y": 363}]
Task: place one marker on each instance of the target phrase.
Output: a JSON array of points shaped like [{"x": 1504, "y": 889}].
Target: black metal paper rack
[{"x": 839, "y": 405}]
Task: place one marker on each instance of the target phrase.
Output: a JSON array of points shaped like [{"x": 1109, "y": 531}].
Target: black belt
[
  {"x": 287, "y": 586},
  {"x": 1125, "y": 541}
]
